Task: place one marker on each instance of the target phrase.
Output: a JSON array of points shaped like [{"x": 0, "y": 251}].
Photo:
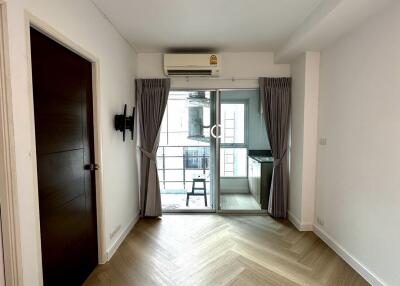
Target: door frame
[
  {"x": 217, "y": 145},
  {"x": 221, "y": 211},
  {"x": 41, "y": 26},
  {"x": 8, "y": 191},
  {"x": 213, "y": 197}
]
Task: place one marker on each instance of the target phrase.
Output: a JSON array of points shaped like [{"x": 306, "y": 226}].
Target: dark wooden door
[{"x": 62, "y": 92}]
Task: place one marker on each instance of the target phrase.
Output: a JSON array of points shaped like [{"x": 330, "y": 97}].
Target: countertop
[
  {"x": 261, "y": 156},
  {"x": 262, "y": 159}
]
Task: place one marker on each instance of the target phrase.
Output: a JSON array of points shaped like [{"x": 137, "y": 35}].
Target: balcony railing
[{"x": 178, "y": 164}]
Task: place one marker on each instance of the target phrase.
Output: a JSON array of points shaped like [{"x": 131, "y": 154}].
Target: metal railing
[{"x": 200, "y": 163}]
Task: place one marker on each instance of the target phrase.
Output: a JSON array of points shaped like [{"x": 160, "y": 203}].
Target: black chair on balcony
[{"x": 198, "y": 179}]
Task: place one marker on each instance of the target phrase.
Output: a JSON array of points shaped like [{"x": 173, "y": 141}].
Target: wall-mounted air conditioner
[{"x": 192, "y": 64}]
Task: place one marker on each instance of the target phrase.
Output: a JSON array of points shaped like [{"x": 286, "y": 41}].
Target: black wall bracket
[{"x": 123, "y": 123}]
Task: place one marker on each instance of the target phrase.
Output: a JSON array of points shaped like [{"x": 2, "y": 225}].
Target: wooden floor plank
[{"x": 180, "y": 250}]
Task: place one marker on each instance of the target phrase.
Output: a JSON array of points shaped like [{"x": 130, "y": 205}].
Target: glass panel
[
  {"x": 174, "y": 188},
  {"x": 173, "y": 151},
  {"x": 161, "y": 176},
  {"x": 190, "y": 174},
  {"x": 163, "y": 139},
  {"x": 184, "y": 150},
  {"x": 233, "y": 162},
  {"x": 241, "y": 131},
  {"x": 174, "y": 163},
  {"x": 159, "y": 162},
  {"x": 232, "y": 122},
  {"x": 173, "y": 175}
]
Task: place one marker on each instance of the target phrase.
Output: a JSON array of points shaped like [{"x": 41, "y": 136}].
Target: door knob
[{"x": 91, "y": 167}]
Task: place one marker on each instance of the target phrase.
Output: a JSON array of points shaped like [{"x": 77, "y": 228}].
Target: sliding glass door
[
  {"x": 186, "y": 154},
  {"x": 214, "y": 153},
  {"x": 245, "y": 163}
]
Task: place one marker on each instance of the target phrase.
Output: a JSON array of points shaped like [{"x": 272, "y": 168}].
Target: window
[
  {"x": 232, "y": 121},
  {"x": 197, "y": 157},
  {"x": 233, "y": 139},
  {"x": 184, "y": 149},
  {"x": 182, "y": 120},
  {"x": 233, "y": 162}
]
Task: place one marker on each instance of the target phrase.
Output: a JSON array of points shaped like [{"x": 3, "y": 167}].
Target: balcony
[{"x": 177, "y": 165}]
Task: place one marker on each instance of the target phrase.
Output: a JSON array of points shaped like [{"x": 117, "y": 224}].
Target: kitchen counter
[
  {"x": 260, "y": 167},
  {"x": 263, "y": 159}
]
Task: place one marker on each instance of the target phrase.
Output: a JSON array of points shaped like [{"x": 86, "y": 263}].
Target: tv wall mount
[{"x": 123, "y": 122}]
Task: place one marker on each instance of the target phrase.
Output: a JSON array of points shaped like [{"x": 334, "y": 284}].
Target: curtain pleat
[
  {"x": 151, "y": 101},
  {"x": 275, "y": 94}
]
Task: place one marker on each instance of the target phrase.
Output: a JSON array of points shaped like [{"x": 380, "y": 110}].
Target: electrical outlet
[
  {"x": 115, "y": 231},
  {"x": 320, "y": 221},
  {"x": 322, "y": 141}
]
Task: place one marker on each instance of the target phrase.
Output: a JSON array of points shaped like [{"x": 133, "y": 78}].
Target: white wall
[
  {"x": 298, "y": 70},
  {"x": 305, "y": 92},
  {"x": 80, "y": 22},
  {"x": 358, "y": 179},
  {"x": 310, "y": 136},
  {"x": 233, "y": 65}
]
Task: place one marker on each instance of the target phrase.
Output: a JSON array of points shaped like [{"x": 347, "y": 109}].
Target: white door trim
[
  {"x": 33, "y": 21},
  {"x": 8, "y": 191}
]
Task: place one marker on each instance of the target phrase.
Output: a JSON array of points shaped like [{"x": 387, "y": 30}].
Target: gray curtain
[
  {"x": 275, "y": 96},
  {"x": 151, "y": 101}
]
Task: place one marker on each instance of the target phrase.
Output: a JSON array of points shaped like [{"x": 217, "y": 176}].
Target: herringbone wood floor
[{"x": 222, "y": 250}]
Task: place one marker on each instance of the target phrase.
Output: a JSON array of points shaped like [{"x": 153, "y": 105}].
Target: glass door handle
[{"x": 213, "y": 129}]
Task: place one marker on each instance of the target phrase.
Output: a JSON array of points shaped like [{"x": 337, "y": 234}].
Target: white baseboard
[
  {"x": 350, "y": 259},
  {"x": 123, "y": 234},
  {"x": 300, "y": 226}
]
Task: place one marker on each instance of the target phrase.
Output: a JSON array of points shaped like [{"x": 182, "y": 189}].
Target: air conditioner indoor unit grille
[{"x": 189, "y": 72}]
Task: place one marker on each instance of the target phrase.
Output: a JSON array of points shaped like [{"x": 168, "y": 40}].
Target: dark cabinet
[{"x": 259, "y": 177}]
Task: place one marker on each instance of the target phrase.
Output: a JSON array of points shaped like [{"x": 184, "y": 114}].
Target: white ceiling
[{"x": 217, "y": 25}]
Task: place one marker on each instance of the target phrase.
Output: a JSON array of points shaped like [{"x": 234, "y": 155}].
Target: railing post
[
  {"x": 163, "y": 159},
  {"x": 204, "y": 161},
  {"x": 184, "y": 168}
]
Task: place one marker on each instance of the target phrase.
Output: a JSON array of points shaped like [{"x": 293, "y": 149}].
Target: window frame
[{"x": 243, "y": 145}]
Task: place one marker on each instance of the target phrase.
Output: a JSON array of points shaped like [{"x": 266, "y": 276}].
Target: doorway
[
  {"x": 186, "y": 153},
  {"x": 63, "y": 108},
  {"x": 214, "y": 153},
  {"x": 245, "y": 158}
]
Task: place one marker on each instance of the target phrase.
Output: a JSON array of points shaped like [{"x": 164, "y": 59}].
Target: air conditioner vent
[{"x": 189, "y": 72}]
